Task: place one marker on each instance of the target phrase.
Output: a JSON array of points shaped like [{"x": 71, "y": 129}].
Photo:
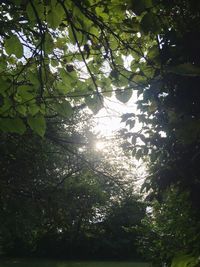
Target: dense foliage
[
  {"x": 58, "y": 56},
  {"x": 170, "y": 228},
  {"x": 57, "y": 197},
  {"x": 170, "y": 141},
  {"x": 60, "y": 198}
]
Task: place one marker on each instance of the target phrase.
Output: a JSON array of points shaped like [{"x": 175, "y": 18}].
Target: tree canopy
[
  {"x": 59, "y": 57},
  {"x": 58, "y": 54}
]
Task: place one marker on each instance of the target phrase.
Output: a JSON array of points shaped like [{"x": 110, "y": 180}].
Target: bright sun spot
[
  {"x": 108, "y": 120},
  {"x": 99, "y": 145},
  {"x": 108, "y": 123}
]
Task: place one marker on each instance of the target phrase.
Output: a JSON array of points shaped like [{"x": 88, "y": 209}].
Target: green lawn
[{"x": 43, "y": 263}]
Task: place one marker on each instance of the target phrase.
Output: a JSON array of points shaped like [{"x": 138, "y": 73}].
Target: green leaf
[
  {"x": 139, "y": 6},
  {"x": 95, "y": 31},
  {"x": 138, "y": 154},
  {"x": 62, "y": 87},
  {"x": 37, "y": 124},
  {"x": 114, "y": 43},
  {"x": 33, "y": 109},
  {"x": 4, "y": 85},
  {"x": 153, "y": 52},
  {"x": 24, "y": 93},
  {"x": 21, "y": 109},
  {"x": 34, "y": 10},
  {"x": 49, "y": 44},
  {"x": 95, "y": 103},
  {"x": 15, "y": 125},
  {"x": 139, "y": 79},
  {"x": 3, "y": 64},
  {"x": 150, "y": 23},
  {"x": 64, "y": 109},
  {"x": 33, "y": 77},
  {"x": 119, "y": 61},
  {"x": 131, "y": 123},
  {"x": 105, "y": 84},
  {"x": 127, "y": 116},
  {"x": 123, "y": 95},
  {"x": 134, "y": 140},
  {"x": 55, "y": 15},
  {"x": 81, "y": 38},
  {"x": 100, "y": 12},
  {"x": 68, "y": 77},
  {"x": 14, "y": 46},
  {"x": 185, "y": 69},
  {"x": 30, "y": 12},
  {"x": 185, "y": 260},
  {"x": 6, "y": 106},
  {"x": 42, "y": 109},
  {"x": 54, "y": 62},
  {"x": 152, "y": 107}
]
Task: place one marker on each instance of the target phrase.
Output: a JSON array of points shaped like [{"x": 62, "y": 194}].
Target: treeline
[{"x": 59, "y": 198}]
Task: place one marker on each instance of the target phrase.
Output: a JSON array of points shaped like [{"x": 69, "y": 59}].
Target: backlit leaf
[
  {"x": 55, "y": 15},
  {"x": 33, "y": 109},
  {"x": 123, "y": 95},
  {"x": 95, "y": 103},
  {"x": 48, "y": 45},
  {"x": 64, "y": 109},
  {"x": 25, "y": 93},
  {"x": 14, "y": 46},
  {"x": 37, "y": 124}
]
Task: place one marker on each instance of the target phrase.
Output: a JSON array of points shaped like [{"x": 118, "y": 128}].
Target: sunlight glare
[
  {"x": 108, "y": 120},
  {"x": 99, "y": 145}
]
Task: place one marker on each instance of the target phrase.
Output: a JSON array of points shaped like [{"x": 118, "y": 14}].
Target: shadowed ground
[{"x": 44, "y": 263}]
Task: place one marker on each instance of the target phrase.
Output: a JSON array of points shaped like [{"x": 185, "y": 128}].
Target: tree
[
  {"x": 169, "y": 228},
  {"x": 56, "y": 54},
  {"x": 119, "y": 237},
  {"x": 34, "y": 171},
  {"x": 169, "y": 111},
  {"x": 56, "y": 191},
  {"x": 72, "y": 53}
]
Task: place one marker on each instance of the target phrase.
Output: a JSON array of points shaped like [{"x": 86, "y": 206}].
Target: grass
[{"x": 46, "y": 263}]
